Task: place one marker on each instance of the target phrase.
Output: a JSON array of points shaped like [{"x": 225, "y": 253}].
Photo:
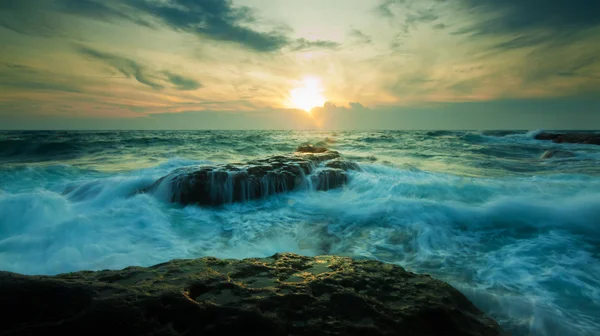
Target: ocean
[{"x": 519, "y": 235}]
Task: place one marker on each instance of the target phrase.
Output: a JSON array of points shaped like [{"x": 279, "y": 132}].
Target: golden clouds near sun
[{"x": 308, "y": 95}]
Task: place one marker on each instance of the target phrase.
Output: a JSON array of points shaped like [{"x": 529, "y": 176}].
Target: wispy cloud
[
  {"x": 217, "y": 20},
  {"x": 360, "y": 37},
  {"x": 182, "y": 83},
  {"x": 141, "y": 73},
  {"x": 385, "y": 8},
  {"x": 15, "y": 76},
  {"x": 142, "y": 57},
  {"x": 512, "y": 16},
  {"x": 304, "y": 44},
  {"x": 125, "y": 66}
]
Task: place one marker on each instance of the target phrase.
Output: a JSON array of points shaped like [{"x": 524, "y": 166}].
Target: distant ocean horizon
[
  {"x": 511, "y": 130},
  {"x": 516, "y": 231}
]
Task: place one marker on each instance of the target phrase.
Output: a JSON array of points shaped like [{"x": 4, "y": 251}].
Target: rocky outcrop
[
  {"x": 309, "y": 167},
  {"x": 580, "y": 138},
  {"x": 285, "y": 294},
  {"x": 556, "y": 154}
]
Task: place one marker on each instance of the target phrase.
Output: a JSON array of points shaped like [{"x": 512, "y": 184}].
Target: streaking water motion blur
[{"x": 517, "y": 233}]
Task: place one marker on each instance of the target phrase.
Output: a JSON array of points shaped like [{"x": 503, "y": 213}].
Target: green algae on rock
[{"x": 285, "y": 294}]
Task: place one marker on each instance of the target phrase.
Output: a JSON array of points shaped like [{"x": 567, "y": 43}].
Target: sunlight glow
[{"x": 309, "y": 95}]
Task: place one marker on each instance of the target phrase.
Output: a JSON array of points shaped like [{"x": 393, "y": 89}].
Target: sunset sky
[{"x": 261, "y": 64}]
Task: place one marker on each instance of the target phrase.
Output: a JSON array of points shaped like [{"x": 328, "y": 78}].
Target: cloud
[
  {"x": 182, "y": 83},
  {"x": 127, "y": 67},
  {"x": 20, "y": 67},
  {"x": 439, "y": 26},
  {"x": 103, "y": 10},
  {"x": 33, "y": 85},
  {"x": 384, "y": 9},
  {"x": 217, "y": 20},
  {"x": 24, "y": 77},
  {"x": 513, "y": 16},
  {"x": 503, "y": 114},
  {"x": 304, "y": 44},
  {"x": 360, "y": 37},
  {"x": 27, "y": 17},
  {"x": 141, "y": 73},
  {"x": 407, "y": 15},
  {"x": 421, "y": 15}
]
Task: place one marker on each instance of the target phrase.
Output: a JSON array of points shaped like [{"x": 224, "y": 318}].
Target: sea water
[{"x": 517, "y": 234}]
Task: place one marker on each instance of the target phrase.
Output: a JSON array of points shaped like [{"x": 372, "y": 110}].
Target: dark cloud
[
  {"x": 182, "y": 83},
  {"x": 218, "y": 20},
  {"x": 127, "y": 67},
  {"x": 514, "y": 16},
  {"x": 542, "y": 66},
  {"x": 103, "y": 10},
  {"x": 143, "y": 74},
  {"x": 27, "y": 17}
]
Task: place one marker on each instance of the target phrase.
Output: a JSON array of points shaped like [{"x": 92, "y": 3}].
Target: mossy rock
[{"x": 285, "y": 294}]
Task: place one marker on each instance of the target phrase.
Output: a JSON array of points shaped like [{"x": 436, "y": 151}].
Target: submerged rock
[
  {"x": 580, "y": 138},
  {"x": 285, "y": 294},
  {"x": 556, "y": 153},
  {"x": 310, "y": 167}
]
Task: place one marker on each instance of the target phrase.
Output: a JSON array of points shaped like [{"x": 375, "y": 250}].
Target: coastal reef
[
  {"x": 309, "y": 167},
  {"x": 579, "y": 138},
  {"x": 285, "y": 294}
]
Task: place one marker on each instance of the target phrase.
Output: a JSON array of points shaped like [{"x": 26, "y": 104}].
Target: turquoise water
[{"x": 519, "y": 235}]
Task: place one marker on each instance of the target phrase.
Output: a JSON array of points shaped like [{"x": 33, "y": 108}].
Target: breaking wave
[{"x": 519, "y": 235}]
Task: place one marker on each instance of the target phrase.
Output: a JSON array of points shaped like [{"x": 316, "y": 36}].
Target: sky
[{"x": 299, "y": 64}]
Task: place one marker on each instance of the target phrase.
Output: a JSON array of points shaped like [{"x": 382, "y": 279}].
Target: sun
[{"x": 307, "y": 96}]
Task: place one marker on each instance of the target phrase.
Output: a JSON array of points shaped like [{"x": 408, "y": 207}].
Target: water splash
[{"x": 517, "y": 234}]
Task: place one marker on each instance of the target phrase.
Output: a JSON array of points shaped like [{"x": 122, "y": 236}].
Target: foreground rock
[
  {"x": 580, "y": 138},
  {"x": 309, "y": 167},
  {"x": 282, "y": 295}
]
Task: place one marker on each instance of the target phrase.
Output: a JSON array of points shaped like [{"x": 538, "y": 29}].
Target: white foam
[{"x": 523, "y": 248}]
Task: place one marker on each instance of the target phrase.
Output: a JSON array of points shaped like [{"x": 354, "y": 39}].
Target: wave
[
  {"x": 521, "y": 239},
  {"x": 24, "y": 149}
]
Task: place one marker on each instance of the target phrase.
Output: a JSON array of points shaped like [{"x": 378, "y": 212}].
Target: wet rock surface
[
  {"x": 309, "y": 167},
  {"x": 285, "y": 294},
  {"x": 580, "y": 138}
]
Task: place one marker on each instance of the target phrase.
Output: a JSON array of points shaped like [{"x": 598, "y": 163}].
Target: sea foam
[{"x": 518, "y": 235}]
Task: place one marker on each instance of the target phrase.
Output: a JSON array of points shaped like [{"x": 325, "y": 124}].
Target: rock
[
  {"x": 311, "y": 149},
  {"x": 556, "y": 153},
  {"x": 285, "y": 294},
  {"x": 580, "y": 138},
  {"x": 222, "y": 184}
]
